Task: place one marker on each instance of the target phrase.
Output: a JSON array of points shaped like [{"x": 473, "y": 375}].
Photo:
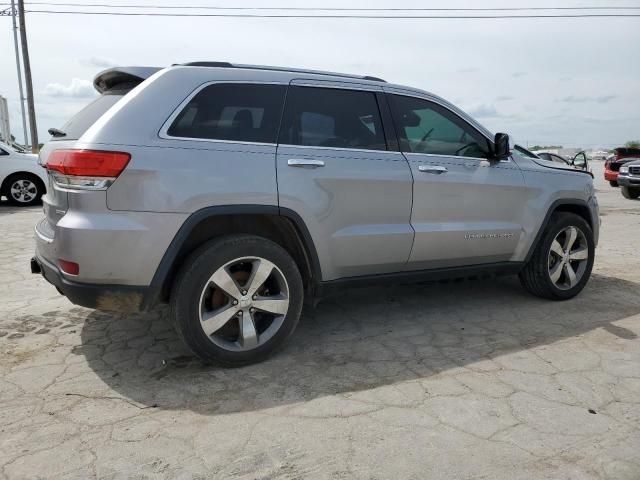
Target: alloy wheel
[
  {"x": 244, "y": 303},
  {"x": 23, "y": 191},
  {"x": 568, "y": 258}
]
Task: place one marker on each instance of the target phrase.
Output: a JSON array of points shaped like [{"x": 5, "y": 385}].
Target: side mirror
[
  {"x": 580, "y": 160},
  {"x": 501, "y": 148},
  {"x": 410, "y": 119}
]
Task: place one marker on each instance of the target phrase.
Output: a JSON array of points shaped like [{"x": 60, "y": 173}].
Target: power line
[
  {"x": 333, "y": 9},
  {"x": 329, "y": 16}
]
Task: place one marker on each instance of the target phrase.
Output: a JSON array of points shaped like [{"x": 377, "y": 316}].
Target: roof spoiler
[{"x": 108, "y": 79}]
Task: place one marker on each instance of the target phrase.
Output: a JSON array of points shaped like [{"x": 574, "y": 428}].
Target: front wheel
[
  {"x": 613, "y": 183},
  {"x": 562, "y": 261},
  {"x": 237, "y": 299},
  {"x": 630, "y": 192}
]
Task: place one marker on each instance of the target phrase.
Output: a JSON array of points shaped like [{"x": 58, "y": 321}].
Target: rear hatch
[{"x": 112, "y": 85}]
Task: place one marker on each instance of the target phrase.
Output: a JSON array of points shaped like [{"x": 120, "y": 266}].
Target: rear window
[
  {"x": 86, "y": 117},
  {"x": 233, "y": 112}
]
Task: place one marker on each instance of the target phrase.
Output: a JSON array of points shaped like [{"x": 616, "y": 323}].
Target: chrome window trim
[
  {"x": 167, "y": 124},
  {"x": 480, "y": 159},
  {"x": 341, "y": 149},
  {"x": 335, "y": 84}
]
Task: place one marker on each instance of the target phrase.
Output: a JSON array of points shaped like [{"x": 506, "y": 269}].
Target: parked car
[
  {"x": 579, "y": 160},
  {"x": 236, "y": 192},
  {"x": 621, "y": 156},
  {"x": 629, "y": 178},
  {"x": 22, "y": 180}
]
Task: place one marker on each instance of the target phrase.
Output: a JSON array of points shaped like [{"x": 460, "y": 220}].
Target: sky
[{"x": 570, "y": 82}]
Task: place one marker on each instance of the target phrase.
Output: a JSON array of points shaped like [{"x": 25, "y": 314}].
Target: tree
[
  {"x": 546, "y": 147},
  {"x": 632, "y": 144}
]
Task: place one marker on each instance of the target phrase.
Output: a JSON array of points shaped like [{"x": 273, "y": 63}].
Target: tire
[
  {"x": 198, "y": 301},
  {"x": 630, "y": 193},
  {"x": 613, "y": 183},
  {"x": 536, "y": 277},
  {"x": 24, "y": 189}
]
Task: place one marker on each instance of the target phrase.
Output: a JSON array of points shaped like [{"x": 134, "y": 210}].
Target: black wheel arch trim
[
  {"x": 167, "y": 262},
  {"x": 552, "y": 208}
]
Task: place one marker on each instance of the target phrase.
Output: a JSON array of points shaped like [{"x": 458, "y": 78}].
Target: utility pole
[
  {"x": 27, "y": 77},
  {"x": 14, "y": 13}
]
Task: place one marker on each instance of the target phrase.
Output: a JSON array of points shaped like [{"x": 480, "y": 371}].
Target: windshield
[{"x": 12, "y": 148}]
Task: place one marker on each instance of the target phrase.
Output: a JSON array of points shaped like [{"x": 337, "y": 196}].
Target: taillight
[{"x": 86, "y": 169}]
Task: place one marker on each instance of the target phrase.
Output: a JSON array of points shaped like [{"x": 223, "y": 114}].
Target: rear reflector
[
  {"x": 88, "y": 163},
  {"x": 71, "y": 268}
]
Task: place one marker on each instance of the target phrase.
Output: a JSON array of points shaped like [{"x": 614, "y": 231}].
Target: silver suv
[{"x": 235, "y": 192}]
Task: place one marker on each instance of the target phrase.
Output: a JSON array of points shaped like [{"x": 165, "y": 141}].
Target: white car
[{"x": 22, "y": 179}]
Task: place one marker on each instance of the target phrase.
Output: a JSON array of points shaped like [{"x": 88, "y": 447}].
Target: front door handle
[
  {"x": 435, "y": 169},
  {"x": 305, "y": 163}
]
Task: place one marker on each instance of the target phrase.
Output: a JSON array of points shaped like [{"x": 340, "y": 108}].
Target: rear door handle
[
  {"x": 436, "y": 169},
  {"x": 305, "y": 163}
]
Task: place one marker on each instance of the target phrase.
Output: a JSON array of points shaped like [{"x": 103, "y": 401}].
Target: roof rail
[
  {"x": 278, "y": 69},
  {"x": 205, "y": 64}
]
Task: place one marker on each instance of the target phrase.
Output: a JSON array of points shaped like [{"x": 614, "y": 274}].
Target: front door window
[{"x": 426, "y": 127}]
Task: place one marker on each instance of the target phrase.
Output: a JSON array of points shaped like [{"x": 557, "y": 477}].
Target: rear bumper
[{"x": 121, "y": 298}]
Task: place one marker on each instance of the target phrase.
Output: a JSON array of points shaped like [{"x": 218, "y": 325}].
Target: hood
[
  {"x": 551, "y": 164},
  {"x": 623, "y": 160},
  {"x": 557, "y": 166},
  {"x": 32, "y": 157},
  {"x": 19, "y": 155}
]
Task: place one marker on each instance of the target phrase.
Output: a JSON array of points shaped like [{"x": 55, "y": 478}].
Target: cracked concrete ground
[{"x": 466, "y": 380}]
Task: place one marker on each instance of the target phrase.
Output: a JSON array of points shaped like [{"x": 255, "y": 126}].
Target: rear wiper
[{"x": 54, "y": 132}]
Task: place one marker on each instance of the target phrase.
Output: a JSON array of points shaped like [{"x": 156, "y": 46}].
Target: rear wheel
[
  {"x": 562, "y": 261},
  {"x": 630, "y": 192},
  {"x": 613, "y": 183},
  {"x": 23, "y": 189},
  {"x": 237, "y": 299}
]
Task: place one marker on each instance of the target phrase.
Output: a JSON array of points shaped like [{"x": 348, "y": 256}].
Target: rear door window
[
  {"x": 331, "y": 117},
  {"x": 232, "y": 112}
]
